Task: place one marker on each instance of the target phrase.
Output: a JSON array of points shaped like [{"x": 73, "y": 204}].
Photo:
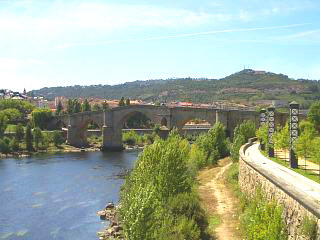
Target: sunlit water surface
[{"x": 57, "y": 196}]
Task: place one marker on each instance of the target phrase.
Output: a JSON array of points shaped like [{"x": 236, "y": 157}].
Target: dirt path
[{"x": 217, "y": 199}]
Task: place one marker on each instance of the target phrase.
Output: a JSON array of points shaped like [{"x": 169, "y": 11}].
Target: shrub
[
  {"x": 309, "y": 228},
  {"x": 19, "y": 132},
  {"x": 5, "y": 145},
  {"x": 14, "y": 145},
  {"x": 131, "y": 138},
  {"x": 263, "y": 220},
  {"x": 57, "y": 138}
]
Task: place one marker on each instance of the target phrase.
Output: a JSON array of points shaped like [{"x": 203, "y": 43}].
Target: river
[{"x": 57, "y": 196}]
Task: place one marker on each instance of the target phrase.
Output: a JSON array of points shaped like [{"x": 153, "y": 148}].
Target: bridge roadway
[{"x": 304, "y": 189}]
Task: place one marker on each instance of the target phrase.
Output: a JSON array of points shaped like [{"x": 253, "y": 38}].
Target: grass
[
  {"x": 214, "y": 222},
  {"x": 10, "y": 128},
  {"x": 308, "y": 174}
]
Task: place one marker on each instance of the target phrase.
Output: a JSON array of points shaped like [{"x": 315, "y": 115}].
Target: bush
[
  {"x": 19, "y": 132},
  {"x": 156, "y": 200},
  {"x": 14, "y": 145},
  {"x": 5, "y": 145},
  {"x": 131, "y": 138},
  {"x": 241, "y": 135},
  {"x": 263, "y": 220},
  {"x": 57, "y": 138},
  {"x": 309, "y": 228}
]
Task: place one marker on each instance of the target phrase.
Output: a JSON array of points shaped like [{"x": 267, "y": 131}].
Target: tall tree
[
  {"x": 127, "y": 101},
  {"x": 3, "y": 123},
  {"x": 41, "y": 117},
  {"x": 76, "y": 106},
  {"x": 314, "y": 115},
  {"x": 86, "y": 106},
  {"x": 28, "y": 138},
  {"x": 19, "y": 132},
  {"x": 59, "y": 108},
  {"x": 37, "y": 136}
]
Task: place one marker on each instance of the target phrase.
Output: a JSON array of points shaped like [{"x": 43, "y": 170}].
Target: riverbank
[{"x": 63, "y": 149}]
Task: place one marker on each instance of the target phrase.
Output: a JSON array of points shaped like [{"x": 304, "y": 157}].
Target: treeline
[
  {"x": 199, "y": 90},
  {"x": 25, "y": 134}
]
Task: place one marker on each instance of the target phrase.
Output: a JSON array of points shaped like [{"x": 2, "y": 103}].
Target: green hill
[{"x": 246, "y": 85}]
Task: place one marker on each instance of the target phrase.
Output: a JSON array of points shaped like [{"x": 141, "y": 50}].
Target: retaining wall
[{"x": 296, "y": 206}]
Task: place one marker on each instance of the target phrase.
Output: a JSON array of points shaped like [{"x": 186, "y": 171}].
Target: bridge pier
[
  {"x": 76, "y": 137},
  {"x": 111, "y": 139}
]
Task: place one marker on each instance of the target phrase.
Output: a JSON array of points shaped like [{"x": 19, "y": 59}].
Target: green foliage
[
  {"x": 59, "y": 108},
  {"x": 314, "y": 115},
  {"x": 262, "y": 134},
  {"x": 156, "y": 129},
  {"x": 238, "y": 141},
  {"x": 22, "y": 106},
  {"x": 127, "y": 101},
  {"x": 315, "y": 152},
  {"x": 19, "y": 132},
  {"x": 28, "y": 138},
  {"x": 307, "y": 126},
  {"x": 57, "y": 138},
  {"x": 303, "y": 145},
  {"x": 213, "y": 144},
  {"x": 73, "y": 106},
  {"x": 138, "y": 120},
  {"x": 5, "y": 145},
  {"x": 197, "y": 159},
  {"x": 241, "y": 135},
  {"x": 41, "y": 117},
  {"x": 156, "y": 200},
  {"x": 309, "y": 228},
  {"x": 262, "y": 220},
  {"x": 132, "y": 138},
  {"x": 281, "y": 138},
  {"x": 14, "y": 145},
  {"x": 85, "y": 107},
  {"x": 211, "y": 89},
  {"x": 3, "y": 123},
  {"x": 37, "y": 137},
  {"x": 12, "y": 114}
]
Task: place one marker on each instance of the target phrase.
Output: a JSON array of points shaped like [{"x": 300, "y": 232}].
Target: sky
[{"x": 62, "y": 43}]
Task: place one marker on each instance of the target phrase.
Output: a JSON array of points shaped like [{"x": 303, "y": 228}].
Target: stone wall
[{"x": 295, "y": 206}]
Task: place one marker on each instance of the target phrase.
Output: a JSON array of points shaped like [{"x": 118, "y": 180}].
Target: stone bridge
[{"x": 111, "y": 121}]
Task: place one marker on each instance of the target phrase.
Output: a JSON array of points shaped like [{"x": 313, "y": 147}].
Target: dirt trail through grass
[{"x": 218, "y": 202}]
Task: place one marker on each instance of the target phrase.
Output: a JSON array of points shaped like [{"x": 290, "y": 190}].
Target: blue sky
[{"x": 61, "y": 43}]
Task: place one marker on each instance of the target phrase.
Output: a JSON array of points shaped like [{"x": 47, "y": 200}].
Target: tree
[
  {"x": 315, "y": 153},
  {"x": 314, "y": 115},
  {"x": 76, "y": 106},
  {"x": 14, "y": 145},
  {"x": 28, "y": 138},
  {"x": 85, "y": 106},
  {"x": 70, "y": 106},
  {"x": 4, "y": 145},
  {"x": 262, "y": 134},
  {"x": 127, "y": 101},
  {"x": 12, "y": 114},
  {"x": 59, "y": 108},
  {"x": 41, "y": 117},
  {"x": 281, "y": 138},
  {"x": 304, "y": 145},
  {"x": 121, "y": 102},
  {"x": 57, "y": 138},
  {"x": 37, "y": 137},
  {"x": 19, "y": 132},
  {"x": 3, "y": 123}
]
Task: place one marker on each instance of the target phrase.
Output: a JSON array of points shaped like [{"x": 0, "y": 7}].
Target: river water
[{"x": 57, "y": 196}]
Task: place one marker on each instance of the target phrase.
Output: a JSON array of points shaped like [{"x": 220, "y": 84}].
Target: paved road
[{"x": 306, "y": 189}]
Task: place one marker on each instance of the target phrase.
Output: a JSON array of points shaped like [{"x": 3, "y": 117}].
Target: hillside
[{"x": 246, "y": 85}]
